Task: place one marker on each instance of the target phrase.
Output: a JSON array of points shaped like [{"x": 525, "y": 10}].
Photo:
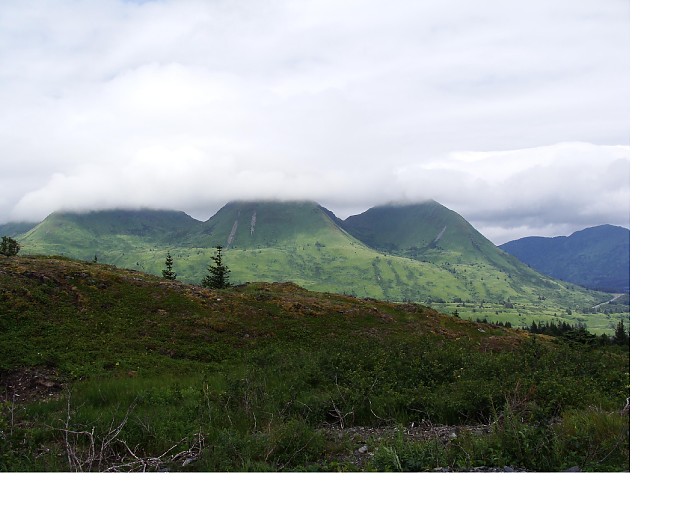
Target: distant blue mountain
[
  {"x": 12, "y": 229},
  {"x": 597, "y": 258}
]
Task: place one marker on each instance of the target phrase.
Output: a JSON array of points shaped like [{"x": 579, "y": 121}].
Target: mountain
[
  {"x": 420, "y": 253},
  {"x": 597, "y": 257},
  {"x": 427, "y": 231},
  {"x": 430, "y": 232},
  {"x": 83, "y": 234},
  {"x": 13, "y": 229},
  {"x": 256, "y": 225},
  {"x": 120, "y": 237},
  {"x": 263, "y": 241}
]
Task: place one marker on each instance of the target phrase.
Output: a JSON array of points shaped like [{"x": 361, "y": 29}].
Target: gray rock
[{"x": 363, "y": 449}]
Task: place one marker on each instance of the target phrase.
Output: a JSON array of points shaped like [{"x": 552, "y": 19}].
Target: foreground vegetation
[{"x": 108, "y": 369}]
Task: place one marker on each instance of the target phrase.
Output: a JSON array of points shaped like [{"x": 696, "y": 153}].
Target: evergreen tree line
[
  {"x": 556, "y": 328},
  {"x": 507, "y": 324},
  {"x": 579, "y": 332},
  {"x": 573, "y": 332}
]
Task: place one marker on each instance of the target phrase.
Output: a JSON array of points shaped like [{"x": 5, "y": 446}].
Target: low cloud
[
  {"x": 551, "y": 190},
  {"x": 509, "y": 113}
]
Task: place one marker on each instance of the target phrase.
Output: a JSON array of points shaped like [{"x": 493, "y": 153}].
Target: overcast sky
[{"x": 515, "y": 114}]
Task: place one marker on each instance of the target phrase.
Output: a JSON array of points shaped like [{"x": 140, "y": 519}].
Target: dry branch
[{"x": 87, "y": 452}]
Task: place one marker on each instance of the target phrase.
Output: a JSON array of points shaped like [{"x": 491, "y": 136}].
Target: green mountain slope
[
  {"x": 300, "y": 242},
  {"x": 597, "y": 257},
  {"x": 431, "y": 232},
  {"x": 420, "y": 230},
  {"x": 84, "y": 235},
  {"x": 264, "y": 241},
  {"x": 437, "y": 256},
  {"x": 249, "y": 225}
]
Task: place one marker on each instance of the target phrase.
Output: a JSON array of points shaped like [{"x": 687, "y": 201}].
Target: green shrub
[
  {"x": 294, "y": 443},
  {"x": 401, "y": 455},
  {"x": 594, "y": 440}
]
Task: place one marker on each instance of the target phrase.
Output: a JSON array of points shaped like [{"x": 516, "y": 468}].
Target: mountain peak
[
  {"x": 411, "y": 227},
  {"x": 265, "y": 223}
]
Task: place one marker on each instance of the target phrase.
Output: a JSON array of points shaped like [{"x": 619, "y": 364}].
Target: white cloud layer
[{"x": 515, "y": 114}]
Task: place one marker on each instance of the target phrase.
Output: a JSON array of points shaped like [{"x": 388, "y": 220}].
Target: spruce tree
[
  {"x": 218, "y": 272},
  {"x": 168, "y": 272},
  {"x": 621, "y": 337},
  {"x": 9, "y": 247}
]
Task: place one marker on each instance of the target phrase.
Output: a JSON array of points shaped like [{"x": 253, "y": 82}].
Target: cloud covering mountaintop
[{"x": 515, "y": 114}]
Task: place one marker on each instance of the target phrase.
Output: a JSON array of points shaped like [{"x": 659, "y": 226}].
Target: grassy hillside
[
  {"x": 597, "y": 257},
  {"x": 107, "y": 234},
  {"x": 110, "y": 369},
  {"x": 499, "y": 286},
  {"x": 431, "y": 232},
  {"x": 285, "y": 242},
  {"x": 416, "y": 229},
  {"x": 250, "y": 225},
  {"x": 302, "y": 243}
]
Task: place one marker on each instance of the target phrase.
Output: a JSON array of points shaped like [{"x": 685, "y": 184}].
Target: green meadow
[{"x": 109, "y": 369}]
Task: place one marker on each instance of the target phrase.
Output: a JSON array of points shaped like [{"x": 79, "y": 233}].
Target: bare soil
[
  {"x": 30, "y": 384},
  {"x": 367, "y": 440}
]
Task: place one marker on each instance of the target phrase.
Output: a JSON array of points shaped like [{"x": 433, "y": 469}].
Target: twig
[
  {"x": 205, "y": 389},
  {"x": 336, "y": 412},
  {"x": 109, "y": 458},
  {"x": 626, "y": 408},
  {"x": 297, "y": 452}
]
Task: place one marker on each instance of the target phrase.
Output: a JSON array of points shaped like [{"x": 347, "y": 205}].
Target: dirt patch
[
  {"x": 30, "y": 384},
  {"x": 416, "y": 431},
  {"x": 366, "y": 440}
]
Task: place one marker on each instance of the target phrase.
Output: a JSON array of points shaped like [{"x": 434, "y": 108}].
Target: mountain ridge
[
  {"x": 13, "y": 229},
  {"x": 597, "y": 257},
  {"x": 439, "y": 258}
]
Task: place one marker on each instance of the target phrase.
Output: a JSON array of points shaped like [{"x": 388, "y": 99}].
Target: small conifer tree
[
  {"x": 9, "y": 247},
  {"x": 218, "y": 272},
  {"x": 168, "y": 272},
  {"x": 621, "y": 337}
]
